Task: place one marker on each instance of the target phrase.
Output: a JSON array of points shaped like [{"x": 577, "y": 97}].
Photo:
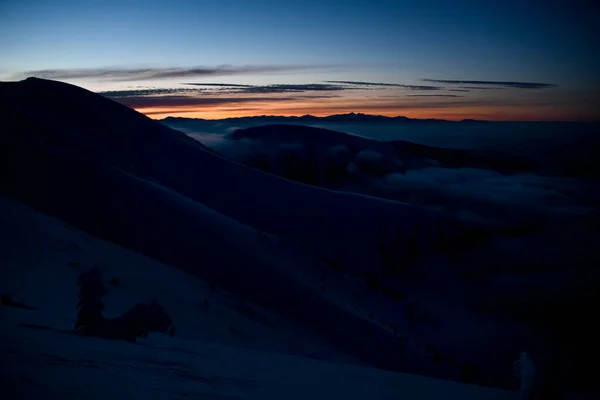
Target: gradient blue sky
[{"x": 265, "y": 43}]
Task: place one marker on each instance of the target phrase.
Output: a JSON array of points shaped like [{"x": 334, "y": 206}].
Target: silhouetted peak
[{"x": 50, "y": 84}]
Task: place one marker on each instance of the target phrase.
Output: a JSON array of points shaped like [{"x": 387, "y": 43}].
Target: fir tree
[{"x": 91, "y": 291}]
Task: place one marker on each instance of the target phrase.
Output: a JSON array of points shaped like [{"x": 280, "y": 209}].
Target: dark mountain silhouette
[
  {"x": 349, "y": 117},
  {"x": 116, "y": 174}
]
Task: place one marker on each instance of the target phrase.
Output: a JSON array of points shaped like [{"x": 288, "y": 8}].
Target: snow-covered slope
[
  {"x": 162, "y": 368},
  {"x": 117, "y": 175},
  {"x": 209, "y": 357},
  {"x": 172, "y": 228},
  {"x": 41, "y": 258}
]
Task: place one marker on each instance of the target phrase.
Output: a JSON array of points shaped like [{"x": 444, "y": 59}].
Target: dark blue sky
[{"x": 308, "y": 42}]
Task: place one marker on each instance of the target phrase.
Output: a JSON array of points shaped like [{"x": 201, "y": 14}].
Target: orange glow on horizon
[
  {"x": 491, "y": 113},
  {"x": 502, "y": 107}
]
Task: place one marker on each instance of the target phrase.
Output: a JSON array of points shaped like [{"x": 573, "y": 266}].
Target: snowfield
[
  {"x": 220, "y": 351},
  {"x": 41, "y": 258},
  {"x": 40, "y": 363}
]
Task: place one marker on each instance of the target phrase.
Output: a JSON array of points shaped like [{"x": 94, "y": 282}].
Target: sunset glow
[
  {"x": 426, "y": 59},
  {"x": 416, "y": 107}
]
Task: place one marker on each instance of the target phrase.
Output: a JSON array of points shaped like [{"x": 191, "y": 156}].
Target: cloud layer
[
  {"x": 433, "y": 95},
  {"x": 138, "y": 74},
  {"x": 499, "y": 84},
  {"x": 398, "y": 85},
  {"x": 523, "y": 200},
  {"x": 274, "y": 88},
  {"x": 189, "y": 101},
  {"x": 450, "y": 99}
]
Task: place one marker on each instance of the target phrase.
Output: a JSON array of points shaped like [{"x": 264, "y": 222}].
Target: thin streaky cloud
[
  {"x": 239, "y": 109},
  {"x": 137, "y": 74},
  {"x": 481, "y": 88},
  {"x": 217, "y": 84},
  {"x": 509, "y": 84},
  {"x": 145, "y": 92},
  {"x": 290, "y": 88},
  {"x": 169, "y": 111},
  {"x": 412, "y": 87},
  {"x": 223, "y": 88},
  {"x": 433, "y": 95},
  {"x": 187, "y": 101}
]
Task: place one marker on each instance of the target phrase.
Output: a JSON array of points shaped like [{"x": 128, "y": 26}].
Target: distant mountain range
[{"x": 338, "y": 118}]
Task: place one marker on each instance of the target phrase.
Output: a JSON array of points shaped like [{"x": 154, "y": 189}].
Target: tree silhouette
[{"x": 91, "y": 291}]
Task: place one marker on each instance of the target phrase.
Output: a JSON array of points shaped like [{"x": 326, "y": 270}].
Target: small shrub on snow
[{"x": 89, "y": 303}]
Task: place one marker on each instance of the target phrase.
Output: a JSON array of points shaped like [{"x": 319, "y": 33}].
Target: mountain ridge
[{"x": 346, "y": 117}]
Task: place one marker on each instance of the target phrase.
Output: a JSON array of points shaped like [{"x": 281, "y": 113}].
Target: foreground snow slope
[
  {"x": 209, "y": 357},
  {"x": 172, "y": 228},
  {"x": 43, "y": 363},
  {"x": 41, "y": 258}
]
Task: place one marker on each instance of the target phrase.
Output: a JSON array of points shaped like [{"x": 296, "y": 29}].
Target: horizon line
[{"x": 372, "y": 115}]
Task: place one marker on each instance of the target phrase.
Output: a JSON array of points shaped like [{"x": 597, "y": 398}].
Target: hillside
[
  {"x": 309, "y": 253},
  {"x": 209, "y": 356}
]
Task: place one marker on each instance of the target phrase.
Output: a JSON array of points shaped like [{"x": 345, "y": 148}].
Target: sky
[{"x": 501, "y": 60}]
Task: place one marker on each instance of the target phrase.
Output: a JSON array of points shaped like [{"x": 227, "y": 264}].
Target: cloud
[
  {"x": 222, "y": 88},
  {"x": 218, "y": 84},
  {"x": 237, "y": 109},
  {"x": 285, "y": 88},
  {"x": 509, "y": 200},
  {"x": 481, "y": 87},
  {"x": 433, "y": 95},
  {"x": 186, "y": 97},
  {"x": 167, "y": 112},
  {"x": 508, "y": 84},
  {"x": 471, "y": 194},
  {"x": 137, "y": 74},
  {"x": 412, "y": 87},
  {"x": 274, "y": 88},
  {"x": 188, "y": 101},
  {"x": 117, "y": 94}
]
